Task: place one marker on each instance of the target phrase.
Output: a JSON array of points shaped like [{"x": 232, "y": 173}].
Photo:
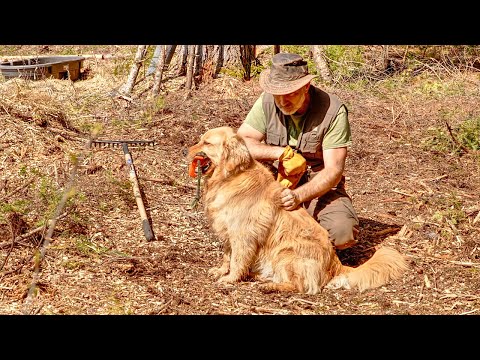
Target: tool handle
[{"x": 147, "y": 230}]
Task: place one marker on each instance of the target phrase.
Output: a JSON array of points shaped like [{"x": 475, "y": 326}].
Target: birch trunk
[
  {"x": 159, "y": 71},
  {"x": 169, "y": 51},
  {"x": 127, "y": 88},
  {"x": 318, "y": 53}
]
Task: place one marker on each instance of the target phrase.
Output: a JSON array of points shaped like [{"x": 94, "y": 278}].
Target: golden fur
[{"x": 289, "y": 250}]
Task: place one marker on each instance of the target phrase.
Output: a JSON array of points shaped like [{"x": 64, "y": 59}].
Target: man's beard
[{"x": 291, "y": 109}]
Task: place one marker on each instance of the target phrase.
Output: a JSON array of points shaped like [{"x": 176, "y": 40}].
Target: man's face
[{"x": 290, "y": 103}]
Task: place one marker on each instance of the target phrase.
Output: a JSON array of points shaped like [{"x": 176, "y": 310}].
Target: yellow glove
[
  {"x": 290, "y": 181},
  {"x": 291, "y": 167}
]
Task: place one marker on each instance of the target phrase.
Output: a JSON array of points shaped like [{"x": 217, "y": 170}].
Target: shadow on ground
[{"x": 372, "y": 234}]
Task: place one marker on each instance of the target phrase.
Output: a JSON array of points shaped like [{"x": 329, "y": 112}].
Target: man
[{"x": 304, "y": 133}]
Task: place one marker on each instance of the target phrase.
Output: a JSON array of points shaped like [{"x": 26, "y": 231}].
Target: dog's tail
[{"x": 385, "y": 265}]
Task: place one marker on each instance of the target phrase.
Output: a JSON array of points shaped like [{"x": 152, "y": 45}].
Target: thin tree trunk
[
  {"x": 198, "y": 60},
  {"x": 127, "y": 88},
  {"x": 190, "y": 67},
  {"x": 168, "y": 57},
  {"x": 170, "y": 51},
  {"x": 220, "y": 56},
  {"x": 276, "y": 49},
  {"x": 247, "y": 55},
  {"x": 159, "y": 71},
  {"x": 318, "y": 53},
  {"x": 385, "y": 57},
  {"x": 182, "y": 60},
  {"x": 153, "y": 63}
]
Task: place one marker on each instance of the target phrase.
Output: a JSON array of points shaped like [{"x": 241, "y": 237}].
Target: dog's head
[{"x": 219, "y": 149}]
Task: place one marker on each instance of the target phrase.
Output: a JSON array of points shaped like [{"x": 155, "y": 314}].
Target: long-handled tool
[{"x": 147, "y": 230}]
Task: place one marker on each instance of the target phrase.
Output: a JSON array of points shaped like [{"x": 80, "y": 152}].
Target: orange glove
[{"x": 291, "y": 167}]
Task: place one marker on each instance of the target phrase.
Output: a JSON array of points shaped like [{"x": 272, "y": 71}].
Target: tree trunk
[
  {"x": 159, "y": 71},
  {"x": 209, "y": 70},
  {"x": 198, "y": 60},
  {"x": 385, "y": 57},
  {"x": 219, "y": 54},
  {"x": 247, "y": 55},
  {"x": 127, "y": 88},
  {"x": 168, "y": 57},
  {"x": 181, "y": 64},
  {"x": 231, "y": 56},
  {"x": 318, "y": 53},
  {"x": 189, "y": 84},
  {"x": 239, "y": 57},
  {"x": 153, "y": 63}
]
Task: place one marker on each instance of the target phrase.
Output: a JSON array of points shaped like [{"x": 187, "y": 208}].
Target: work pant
[{"x": 335, "y": 212}]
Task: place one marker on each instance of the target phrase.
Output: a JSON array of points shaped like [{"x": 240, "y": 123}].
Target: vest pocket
[
  {"x": 272, "y": 139},
  {"x": 310, "y": 146}
]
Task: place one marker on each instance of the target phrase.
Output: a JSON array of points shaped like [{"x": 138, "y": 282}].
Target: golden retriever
[{"x": 288, "y": 250}]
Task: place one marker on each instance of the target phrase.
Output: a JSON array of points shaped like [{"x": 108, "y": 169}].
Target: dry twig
[{"x": 454, "y": 139}]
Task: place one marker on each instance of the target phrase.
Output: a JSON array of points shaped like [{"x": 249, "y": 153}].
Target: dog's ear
[{"x": 236, "y": 155}]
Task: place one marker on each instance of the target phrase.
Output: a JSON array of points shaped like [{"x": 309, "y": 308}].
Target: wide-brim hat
[{"x": 288, "y": 73}]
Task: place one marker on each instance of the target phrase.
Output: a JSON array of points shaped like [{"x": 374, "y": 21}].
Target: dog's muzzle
[{"x": 199, "y": 164}]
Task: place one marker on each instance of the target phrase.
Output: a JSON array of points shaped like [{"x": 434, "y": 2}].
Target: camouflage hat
[{"x": 288, "y": 73}]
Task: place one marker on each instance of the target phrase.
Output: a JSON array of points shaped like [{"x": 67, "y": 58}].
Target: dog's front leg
[
  {"x": 223, "y": 269},
  {"x": 240, "y": 260},
  {"x": 216, "y": 272}
]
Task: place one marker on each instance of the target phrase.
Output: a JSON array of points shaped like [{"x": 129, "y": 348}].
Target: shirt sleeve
[
  {"x": 256, "y": 117},
  {"x": 339, "y": 133}
]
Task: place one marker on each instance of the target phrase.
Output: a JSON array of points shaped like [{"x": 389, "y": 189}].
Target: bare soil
[{"x": 422, "y": 201}]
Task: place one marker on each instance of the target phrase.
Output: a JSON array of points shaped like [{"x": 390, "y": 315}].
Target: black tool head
[{"x": 119, "y": 143}]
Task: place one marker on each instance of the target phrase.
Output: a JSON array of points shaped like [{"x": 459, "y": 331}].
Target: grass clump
[{"x": 463, "y": 137}]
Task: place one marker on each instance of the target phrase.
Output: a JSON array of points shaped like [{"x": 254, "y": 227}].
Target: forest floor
[{"x": 409, "y": 194}]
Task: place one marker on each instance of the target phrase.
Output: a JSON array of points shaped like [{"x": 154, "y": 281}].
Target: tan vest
[{"x": 322, "y": 111}]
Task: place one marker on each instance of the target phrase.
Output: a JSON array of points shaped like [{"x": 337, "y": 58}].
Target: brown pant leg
[{"x": 335, "y": 212}]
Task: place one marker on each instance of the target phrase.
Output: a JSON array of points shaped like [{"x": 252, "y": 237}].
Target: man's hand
[
  {"x": 291, "y": 167},
  {"x": 289, "y": 199}
]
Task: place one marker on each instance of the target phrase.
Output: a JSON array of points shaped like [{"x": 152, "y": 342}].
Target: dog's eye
[{"x": 206, "y": 143}]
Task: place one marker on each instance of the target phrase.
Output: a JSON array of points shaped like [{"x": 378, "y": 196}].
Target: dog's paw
[
  {"x": 228, "y": 279},
  {"x": 217, "y": 272},
  {"x": 338, "y": 282}
]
